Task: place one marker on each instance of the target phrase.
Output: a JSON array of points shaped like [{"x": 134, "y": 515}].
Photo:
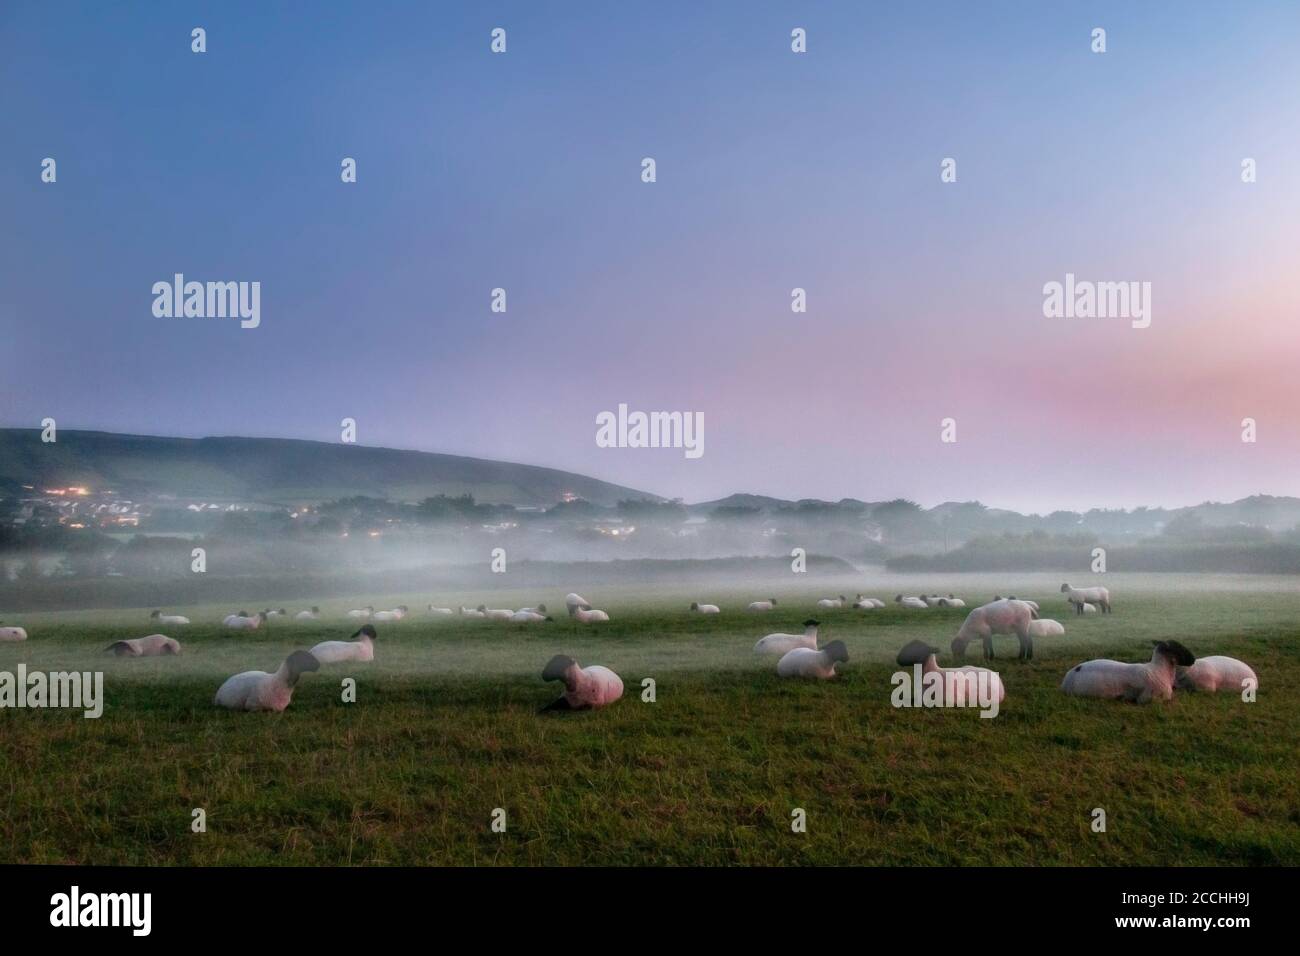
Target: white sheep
[
  {"x": 396, "y": 614},
  {"x": 955, "y": 692},
  {"x": 155, "y": 645},
  {"x": 243, "y": 621},
  {"x": 997, "y": 617},
  {"x": 828, "y": 604},
  {"x": 158, "y": 617},
  {"x": 528, "y": 616},
  {"x": 12, "y": 634},
  {"x": 705, "y": 608},
  {"x": 585, "y": 688},
  {"x": 362, "y": 613},
  {"x": 279, "y": 613},
  {"x": 912, "y": 602},
  {"x": 761, "y": 605},
  {"x": 440, "y": 611},
  {"x": 258, "y": 690},
  {"x": 1216, "y": 673},
  {"x": 311, "y": 615},
  {"x": 589, "y": 615},
  {"x": 1086, "y": 608},
  {"x": 937, "y": 600},
  {"x": 1140, "y": 683},
  {"x": 807, "y": 662},
  {"x": 471, "y": 612},
  {"x": 867, "y": 603},
  {"x": 1046, "y": 627},
  {"x": 1080, "y": 596},
  {"x": 361, "y": 648},
  {"x": 574, "y": 601},
  {"x": 778, "y": 645}
]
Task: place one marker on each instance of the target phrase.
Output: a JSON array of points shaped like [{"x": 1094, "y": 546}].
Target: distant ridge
[{"x": 279, "y": 470}]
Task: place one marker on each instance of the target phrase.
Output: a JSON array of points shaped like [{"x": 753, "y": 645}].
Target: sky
[{"x": 774, "y": 170}]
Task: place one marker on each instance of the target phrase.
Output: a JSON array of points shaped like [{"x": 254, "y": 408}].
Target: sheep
[
  {"x": 360, "y": 648},
  {"x": 1079, "y": 596},
  {"x": 155, "y": 645},
  {"x": 779, "y": 644},
  {"x": 590, "y": 616},
  {"x": 362, "y": 613},
  {"x": 540, "y": 609},
  {"x": 396, "y": 614},
  {"x": 12, "y": 634},
  {"x": 258, "y": 690},
  {"x": 585, "y": 688},
  {"x": 158, "y": 617},
  {"x": 496, "y": 614},
  {"x": 761, "y": 605},
  {"x": 918, "y": 652},
  {"x": 1140, "y": 683},
  {"x": 1086, "y": 608},
  {"x": 529, "y": 616},
  {"x": 912, "y": 602},
  {"x": 311, "y": 615},
  {"x": 935, "y": 600},
  {"x": 806, "y": 662},
  {"x": 867, "y": 603},
  {"x": 705, "y": 608},
  {"x": 280, "y": 613},
  {"x": 574, "y": 601},
  {"x": 471, "y": 612},
  {"x": 1046, "y": 628},
  {"x": 998, "y": 617},
  {"x": 243, "y": 621},
  {"x": 827, "y": 604},
  {"x": 441, "y": 611},
  {"x": 1215, "y": 673}
]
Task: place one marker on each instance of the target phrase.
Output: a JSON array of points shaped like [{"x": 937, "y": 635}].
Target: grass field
[{"x": 446, "y": 729}]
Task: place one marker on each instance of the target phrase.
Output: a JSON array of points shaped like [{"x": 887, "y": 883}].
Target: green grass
[{"x": 445, "y": 730}]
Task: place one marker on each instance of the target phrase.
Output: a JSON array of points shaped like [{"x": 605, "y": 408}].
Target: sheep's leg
[{"x": 988, "y": 648}]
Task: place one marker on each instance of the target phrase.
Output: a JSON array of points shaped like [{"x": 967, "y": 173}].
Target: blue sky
[{"x": 775, "y": 170}]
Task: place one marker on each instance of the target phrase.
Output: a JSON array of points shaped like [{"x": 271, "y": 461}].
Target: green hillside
[{"x": 277, "y": 470}]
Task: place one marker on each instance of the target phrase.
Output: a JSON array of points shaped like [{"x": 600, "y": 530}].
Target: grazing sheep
[
  {"x": 441, "y": 611},
  {"x": 761, "y": 605},
  {"x": 396, "y": 614},
  {"x": 1080, "y": 596},
  {"x": 361, "y": 648},
  {"x": 806, "y": 662},
  {"x": 705, "y": 608},
  {"x": 585, "y": 688},
  {"x": 997, "y": 617},
  {"x": 158, "y": 617},
  {"x": 912, "y": 602},
  {"x": 12, "y": 634},
  {"x": 1140, "y": 683},
  {"x": 258, "y": 690},
  {"x": 827, "y": 604},
  {"x": 243, "y": 621},
  {"x": 155, "y": 645},
  {"x": 590, "y": 615},
  {"x": 919, "y": 652},
  {"x": 529, "y": 616},
  {"x": 311, "y": 615},
  {"x": 1046, "y": 627},
  {"x": 779, "y": 645},
  {"x": 362, "y": 613},
  {"x": 1215, "y": 673}
]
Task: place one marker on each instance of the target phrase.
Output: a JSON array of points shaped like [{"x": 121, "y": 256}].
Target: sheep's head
[
  {"x": 836, "y": 651},
  {"x": 1175, "y": 652},
  {"x": 557, "y": 667},
  {"x": 811, "y": 623},
  {"x": 541, "y": 609},
  {"x": 301, "y": 662},
  {"x": 773, "y": 600},
  {"x": 695, "y": 605},
  {"x": 898, "y": 598},
  {"x": 917, "y": 652},
  {"x": 155, "y": 615},
  {"x": 1064, "y": 588},
  {"x": 959, "y": 647},
  {"x": 172, "y": 647},
  {"x": 366, "y": 630},
  {"x": 315, "y": 610}
]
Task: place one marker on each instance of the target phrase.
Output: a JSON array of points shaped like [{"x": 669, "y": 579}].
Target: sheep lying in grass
[
  {"x": 1046, "y": 627},
  {"x": 360, "y": 649},
  {"x": 938, "y": 600},
  {"x": 779, "y": 644},
  {"x": 311, "y": 615},
  {"x": 958, "y": 682},
  {"x": 807, "y": 662},
  {"x": 830, "y": 604},
  {"x": 155, "y": 645},
  {"x": 912, "y": 602},
  {"x": 998, "y": 617},
  {"x": 699, "y": 608},
  {"x": 528, "y": 615},
  {"x": 258, "y": 690},
  {"x": 158, "y": 617},
  {"x": 1140, "y": 683},
  {"x": 12, "y": 634},
  {"x": 867, "y": 603},
  {"x": 243, "y": 621},
  {"x": 585, "y": 688},
  {"x": 761, "y": 605},
  {"x": 1081, "y": 596},
  {"x": 1216, "y": 673}
]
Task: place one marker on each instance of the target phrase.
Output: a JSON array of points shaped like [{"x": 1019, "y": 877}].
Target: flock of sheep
[{"x": 797, "y": 655}]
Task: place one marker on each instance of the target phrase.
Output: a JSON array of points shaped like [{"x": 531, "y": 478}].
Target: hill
[{"x": 278, "y": 470}]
